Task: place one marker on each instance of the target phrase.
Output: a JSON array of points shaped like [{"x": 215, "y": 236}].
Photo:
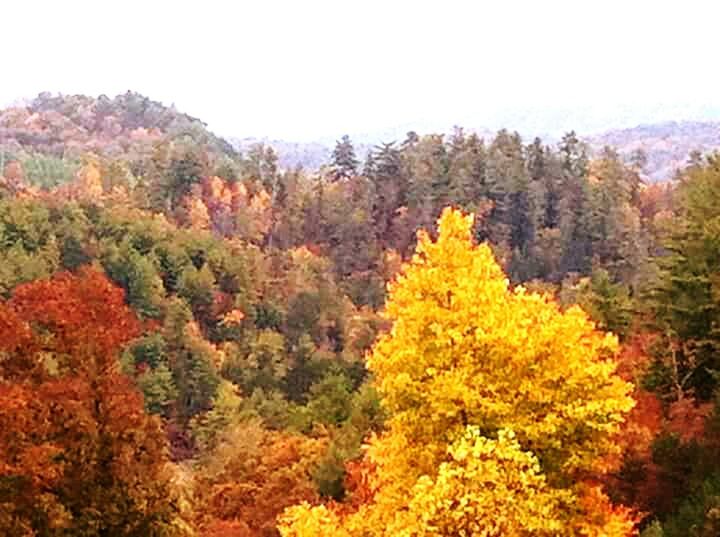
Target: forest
[{"x": 455, "y": 336}]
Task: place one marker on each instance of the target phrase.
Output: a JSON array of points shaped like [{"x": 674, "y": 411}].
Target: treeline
[
  {"x": 548, "y": 211},
  {"x": 207, "y": 315}
]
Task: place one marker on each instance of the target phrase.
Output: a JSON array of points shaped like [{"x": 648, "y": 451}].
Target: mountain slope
[
  {"x": 667, "y": 145},
  {"x": 70, "y": 125}
]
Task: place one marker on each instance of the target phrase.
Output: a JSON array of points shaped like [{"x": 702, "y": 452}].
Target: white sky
[{"x": 303, "y": 69}]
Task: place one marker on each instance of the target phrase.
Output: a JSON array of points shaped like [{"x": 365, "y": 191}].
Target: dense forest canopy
[{"x": 448, "y": 334}]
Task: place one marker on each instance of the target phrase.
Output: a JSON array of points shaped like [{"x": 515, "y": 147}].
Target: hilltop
[
  {"x": 71, "y": 124},
  {"x": 52, "y": 131},
  {"x": 50, "y": 134}
]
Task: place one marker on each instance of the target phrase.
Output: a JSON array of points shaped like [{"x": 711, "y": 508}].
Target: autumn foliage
[
  {"x": 160, "y": 291},
  {"x": 78, "y": 454},
  {"x": 252, "y": 476},
  {"x": 81, "y": 313},
  {"x": 500, "y": 404}
]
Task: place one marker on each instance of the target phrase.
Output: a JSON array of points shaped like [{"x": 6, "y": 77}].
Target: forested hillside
[
  {"x": 455, "y": 335},
  {"x": 667, "y": 146}
]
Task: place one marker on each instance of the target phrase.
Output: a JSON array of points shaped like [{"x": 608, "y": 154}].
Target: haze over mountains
[
  {"x": 666, "y": 132},
  {"x": 667, "y": 145}
]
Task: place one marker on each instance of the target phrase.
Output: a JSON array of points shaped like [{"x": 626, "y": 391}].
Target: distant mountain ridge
[
  {"x": 309, "y": 155},
  {"x": 667, "y": 145}
]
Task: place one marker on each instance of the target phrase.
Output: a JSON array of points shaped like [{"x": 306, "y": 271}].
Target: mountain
[
  {"x": 309, "y": 155},
  {"x": 51, "y": 134},
  {"x": 667, "y": 145},
  {"x": 312, "y": 155}
]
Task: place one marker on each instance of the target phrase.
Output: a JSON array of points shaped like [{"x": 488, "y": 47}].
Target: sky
[{"x": 303, "y": 70}]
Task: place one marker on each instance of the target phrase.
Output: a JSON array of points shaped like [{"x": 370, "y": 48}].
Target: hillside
[
  {"x": 196, "y": 342},
  {"x": 67, "y": 124},
  {"x": 52, "y": 133},
  {"x": 667, "y": 145}
]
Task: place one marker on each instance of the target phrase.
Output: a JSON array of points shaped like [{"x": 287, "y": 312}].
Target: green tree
[
  {"x": 574, "y": 207},
  {"x": 344, "y": 164},
  {"x": 193, "y": 361},
  {"x": 685, "y": 301}
]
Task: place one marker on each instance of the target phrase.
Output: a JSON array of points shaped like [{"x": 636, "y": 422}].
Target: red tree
[{"x": 77, "y": 450}]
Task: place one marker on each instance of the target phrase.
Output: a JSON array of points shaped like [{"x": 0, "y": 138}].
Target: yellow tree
[{"x": 502, "y": 407}]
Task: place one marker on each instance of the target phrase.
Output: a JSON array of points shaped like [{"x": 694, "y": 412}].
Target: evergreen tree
[
  {"x": 389, "y": 188},
  {"x": 262, "y": 166},
  {"x": 618, "y": 243},
  {"x": 506, "y": 175},
  {"x": 575, "y": 214},
  {"x": 344, "y": 163},
  {"x": 686, "y": 302},
  {"x": 545, "y": 190}
]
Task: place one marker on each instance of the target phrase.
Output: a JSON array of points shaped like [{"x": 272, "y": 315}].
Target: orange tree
[{"x": 78, "y": 454}]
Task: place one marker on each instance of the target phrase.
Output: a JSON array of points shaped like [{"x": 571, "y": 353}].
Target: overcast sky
[{"x": 301, "y": 69}]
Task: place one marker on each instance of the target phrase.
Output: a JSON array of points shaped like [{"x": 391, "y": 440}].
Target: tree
[
  {"x": 426, "y": 161},
  {"x": 617, "y": 240},
  {"x": 389, "y": 187},
  {"x": 509, "y": 226},
  {"x": 253, "y": 474},
  {"x": 262, "y": 166},
  {"x": 479, "y": 477},
  {"x": 193, "y": 361},
  {"x": 344, "y": 163},
  {"x": 466, "y": 170},
  {"x": 198, "y": 288},
  {"x": 137, "y": 274},
  {"x": 78, "y": 455},
  {"x": 544, "y": 172},
  {"x": 685, "y": 300},
  {"x": 574, "y": 220},
  {"x": 174, "y": 168},
  {"x": 484, "y": 384}
]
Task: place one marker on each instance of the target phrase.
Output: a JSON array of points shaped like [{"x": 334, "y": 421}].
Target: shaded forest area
[{"x": 198, "y": 342}]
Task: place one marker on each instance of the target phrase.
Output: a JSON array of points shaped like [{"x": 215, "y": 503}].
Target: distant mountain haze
[
  {"x": 76, "y": 124},
  {"x": 667, "y": 145}
]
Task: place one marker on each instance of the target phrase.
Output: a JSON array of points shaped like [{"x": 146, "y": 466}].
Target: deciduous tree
[{"x": 484, "y": 384}]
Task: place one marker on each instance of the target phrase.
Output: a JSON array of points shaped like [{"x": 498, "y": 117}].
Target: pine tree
[
  {"x": 685, "y": 301},
  {"x": 389, "y": 187},
  {"x": 574, "y": 209},
  {"x": 344, "y": 163}
]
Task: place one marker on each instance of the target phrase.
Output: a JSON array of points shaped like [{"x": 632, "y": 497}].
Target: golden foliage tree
[{"x": 502, "y": 406}]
